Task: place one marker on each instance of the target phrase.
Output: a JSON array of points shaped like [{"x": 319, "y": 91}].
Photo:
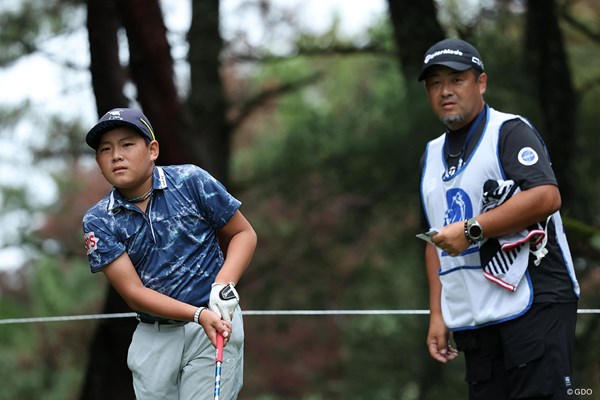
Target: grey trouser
[{"x": 177, "y": 362}]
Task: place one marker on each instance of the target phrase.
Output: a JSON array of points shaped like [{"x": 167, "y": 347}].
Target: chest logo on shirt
[
  {"x": 91, "y": 242},
  {"x": 459, "y": 206},
  {"x": 527, "y": 156}
]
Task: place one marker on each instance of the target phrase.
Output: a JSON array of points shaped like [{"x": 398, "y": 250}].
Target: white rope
[
  {"x": 334, "y": 312},
  {"x": 589, "y": 311},
  {"x": 65, "y": 318},
  {"x": 246, "y": 312}
]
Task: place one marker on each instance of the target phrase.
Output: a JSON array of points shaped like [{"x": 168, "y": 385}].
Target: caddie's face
[
  {"x": 124, "y": 158},
  {"x": 455, "y": 97}
]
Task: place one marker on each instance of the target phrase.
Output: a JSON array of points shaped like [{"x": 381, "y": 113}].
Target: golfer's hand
[
  {"x": 437, "y": 342},
  {"x": 452, "y": 239},
  {"x": 212, "y": 323},
  {"x": 224, "y": 299}
]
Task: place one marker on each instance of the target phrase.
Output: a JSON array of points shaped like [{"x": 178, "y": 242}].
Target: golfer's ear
[{"x": 154, "y": 149}]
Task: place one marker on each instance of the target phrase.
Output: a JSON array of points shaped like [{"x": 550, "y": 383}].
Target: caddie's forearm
[
  {"x": 524, "y": 209},
  {"x": 432, "y": 265}
]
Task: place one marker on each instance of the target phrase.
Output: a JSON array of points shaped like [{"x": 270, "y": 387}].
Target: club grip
[{"x": 220, "y": 340}]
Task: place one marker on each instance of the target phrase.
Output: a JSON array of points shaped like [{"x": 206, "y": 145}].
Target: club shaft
[{"x": 218, "y": 381}]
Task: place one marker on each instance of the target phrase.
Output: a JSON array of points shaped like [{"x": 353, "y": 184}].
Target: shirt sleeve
[
  {"x": 102, "y": 245},
  {"x": 524, "y": 157},
  {"x": 218, "y": 205}
]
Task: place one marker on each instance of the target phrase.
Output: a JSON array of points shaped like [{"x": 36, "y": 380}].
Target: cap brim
[
  {"x": 93, "y": 136},
  {"x": 450, "y": 64}
]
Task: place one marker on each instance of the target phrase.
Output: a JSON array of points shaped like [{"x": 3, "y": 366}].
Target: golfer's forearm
[
  {"x": 154, "y": 303},
  {"x": 239, "y": 255}
]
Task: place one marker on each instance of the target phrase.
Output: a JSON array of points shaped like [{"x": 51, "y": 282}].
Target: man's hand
[
  {"x": 437, "y": 342},
  {"x": 224, "y": 299},
  {"x": 452, "y": 239}
]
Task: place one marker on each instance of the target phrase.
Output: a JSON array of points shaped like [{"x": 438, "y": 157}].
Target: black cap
[
  {"x": 452, "y": 53},
  {"x": 118, "y": 117}
]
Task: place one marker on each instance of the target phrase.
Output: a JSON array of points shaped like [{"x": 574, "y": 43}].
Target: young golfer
[{"x": 172, "y": 241}]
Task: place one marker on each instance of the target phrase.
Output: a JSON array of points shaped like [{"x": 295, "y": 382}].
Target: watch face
[{"x": 475, "y": 231}]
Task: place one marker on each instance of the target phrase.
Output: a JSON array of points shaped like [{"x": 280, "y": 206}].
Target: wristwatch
[{"x": 473, "y": 230}]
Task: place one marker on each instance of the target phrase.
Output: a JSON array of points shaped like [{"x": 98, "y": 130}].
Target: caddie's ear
[
  {"x": 482, "y": 82},
  {"x": 153, "y": 147}
]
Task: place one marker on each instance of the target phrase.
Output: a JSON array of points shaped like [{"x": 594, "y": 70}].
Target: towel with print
[{"x": 505, "y": 259}]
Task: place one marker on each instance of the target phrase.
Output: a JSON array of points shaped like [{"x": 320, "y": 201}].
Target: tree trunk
[
  {"x": 108, "y": 76},
  {"x": 208, "y": 120},
  {"x": 547, "y": 62},
  {"x": 151, "y": 67},
  {"x": 107, "y": 375},
  {"x": 416, "y": 28}
]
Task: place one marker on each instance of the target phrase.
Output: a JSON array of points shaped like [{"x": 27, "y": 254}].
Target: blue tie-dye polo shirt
[{"x": 173, "y": 245}]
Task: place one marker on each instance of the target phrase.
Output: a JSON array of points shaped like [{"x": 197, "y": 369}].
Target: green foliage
[
  {"x": 47, "y": 357},
  {"x": 334, "y": 198},
  {"x": 356, "y": 139},
  {"x": 31, "y": 22},
  {"x": 335, "y": 178},
  {"x": 333, "y": 193}
]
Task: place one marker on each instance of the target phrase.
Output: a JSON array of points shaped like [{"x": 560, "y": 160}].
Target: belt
[{"x": 161, "y": 321}]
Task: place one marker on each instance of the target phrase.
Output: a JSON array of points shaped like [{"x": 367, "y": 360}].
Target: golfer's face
[
  {"x": 124, "y": 158},
  {"x": 456, "y": 97}
]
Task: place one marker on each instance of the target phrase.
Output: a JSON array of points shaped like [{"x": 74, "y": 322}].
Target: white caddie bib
[{"x": 468, "y": 298}]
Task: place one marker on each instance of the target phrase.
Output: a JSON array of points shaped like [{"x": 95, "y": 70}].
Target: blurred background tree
[{"x": 320, "y": 136}]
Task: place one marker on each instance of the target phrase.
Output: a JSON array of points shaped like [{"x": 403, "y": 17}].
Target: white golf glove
[{"x": 224, "y": 299}]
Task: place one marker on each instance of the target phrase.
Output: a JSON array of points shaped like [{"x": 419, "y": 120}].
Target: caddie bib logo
[{"x": 459, "y": 206}]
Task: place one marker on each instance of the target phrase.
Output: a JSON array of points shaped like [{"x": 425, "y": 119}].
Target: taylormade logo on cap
[
  {"x": 452, "y": 53},
  {"x": 438, "y": 53}
]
